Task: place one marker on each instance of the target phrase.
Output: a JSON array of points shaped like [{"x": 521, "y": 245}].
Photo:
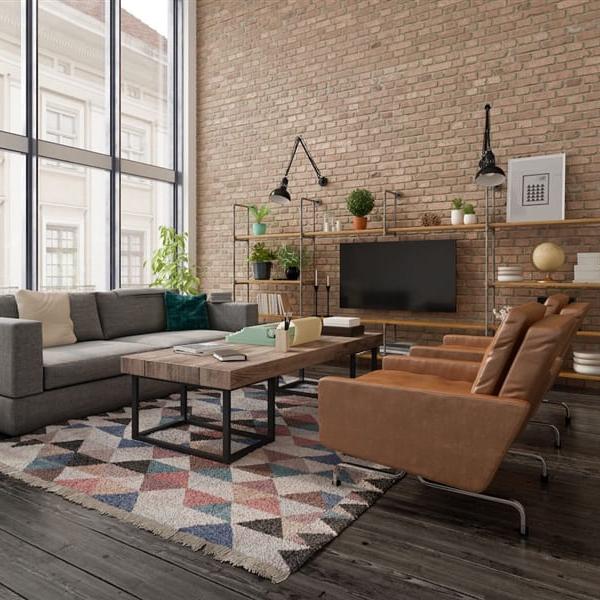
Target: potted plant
[
  {"x": 259, "y": 213},
  {"x": 360, "y": 203},
  {"x": 170, "y": 264},
  {"x": 290, "y": 260},
  {"x": 262, "y": 261},
  {"x": 457, "y": 213},
  {"x": 470, "y": 218}
]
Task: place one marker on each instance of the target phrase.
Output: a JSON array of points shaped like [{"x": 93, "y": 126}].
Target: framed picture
[{"x": 536, "y": 188}]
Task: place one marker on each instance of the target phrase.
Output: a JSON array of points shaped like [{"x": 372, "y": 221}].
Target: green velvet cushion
[{"x": 186, "y": 312}]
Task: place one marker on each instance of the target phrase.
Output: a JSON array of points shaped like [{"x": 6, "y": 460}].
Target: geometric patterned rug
[{"x": 268, "y": 512}]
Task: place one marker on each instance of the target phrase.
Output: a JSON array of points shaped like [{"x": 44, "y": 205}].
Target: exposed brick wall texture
[{"x": 389, "y": 94}]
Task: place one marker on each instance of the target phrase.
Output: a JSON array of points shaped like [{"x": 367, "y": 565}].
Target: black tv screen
[{"x": 411, "y": 275}]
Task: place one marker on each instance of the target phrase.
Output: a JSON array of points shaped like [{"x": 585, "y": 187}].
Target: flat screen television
[{"x": 410, "y": 275}]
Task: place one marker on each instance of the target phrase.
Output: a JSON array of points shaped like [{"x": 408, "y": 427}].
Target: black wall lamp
[
  {"x": 489, "y": 175},
  {"x": 281, "y": 195}
]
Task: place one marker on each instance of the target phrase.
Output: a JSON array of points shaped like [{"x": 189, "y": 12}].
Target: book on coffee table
[
  {"x": 201, "y": 348},
  {"x": 227, "y": 355}
]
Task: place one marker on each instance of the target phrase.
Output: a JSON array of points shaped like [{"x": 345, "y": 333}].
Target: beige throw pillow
[{"x": 54, "y": 312}]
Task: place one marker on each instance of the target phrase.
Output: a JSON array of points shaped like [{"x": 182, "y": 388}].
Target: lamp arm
[
  {"x": 486, "y": 134},
  {"x": 296, "y": 142},
  {"x": 312, "y": 162},
  {"x": 322, "y": 180}
]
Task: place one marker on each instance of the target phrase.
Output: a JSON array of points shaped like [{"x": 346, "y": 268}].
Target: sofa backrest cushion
[
  {"x": 501, "y": 351},
  {"x": 131, "y": 311},
  {"x": 84, "y": 314},
  {"x": 8, "y": 307}
]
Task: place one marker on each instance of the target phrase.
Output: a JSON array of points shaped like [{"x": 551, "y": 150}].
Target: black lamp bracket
[{"x": 299, "y": 141}]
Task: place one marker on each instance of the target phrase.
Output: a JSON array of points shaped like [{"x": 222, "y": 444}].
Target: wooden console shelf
[
  {"x": 578, "y": 376},
  {"x": 546, "y": 285},
  {"x": 426, "y": 324}
]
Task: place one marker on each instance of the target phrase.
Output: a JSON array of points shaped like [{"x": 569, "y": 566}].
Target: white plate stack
[
  {"x": 587, "y": 269},
  {"x": 587, "y": 363},
  {"x": 510, "y": 273}
]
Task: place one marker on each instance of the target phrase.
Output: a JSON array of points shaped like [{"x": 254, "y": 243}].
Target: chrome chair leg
[
  {"x": 565, "y": 406},
  {"x": 337, "y": 469},
  {"x": 523, "y": 530},
  {"x": 553, "y": 428},
  {"x": 536, "y": 457}
]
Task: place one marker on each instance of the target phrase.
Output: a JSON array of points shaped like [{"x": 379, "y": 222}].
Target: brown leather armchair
[
  {"x": 449, "y": 423},
  {"x": 472, "y": 348}
]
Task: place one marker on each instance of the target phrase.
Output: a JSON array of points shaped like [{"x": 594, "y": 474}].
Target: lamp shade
[{"x": 281, "y": 195}]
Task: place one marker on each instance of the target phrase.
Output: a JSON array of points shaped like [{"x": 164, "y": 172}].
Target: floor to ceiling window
[{"x": 89, "y": 118}]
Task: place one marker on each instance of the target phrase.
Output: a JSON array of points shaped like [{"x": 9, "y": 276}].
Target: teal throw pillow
[{"x": 186, "y": 312}]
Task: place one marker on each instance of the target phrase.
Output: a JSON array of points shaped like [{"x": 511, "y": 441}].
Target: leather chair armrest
[
  {"x": 447, "y": 352},
  {"x": 448, "y": 369},
  {"x": 21, "y": 370},
  {"x": 477, "y": 341},
  {"x": 455, "y": 439}
]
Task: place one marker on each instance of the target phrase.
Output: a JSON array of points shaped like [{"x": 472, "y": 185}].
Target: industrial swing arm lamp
[
  {"x": 489, "y": 175},
  {"x": 281, "y": 195}
]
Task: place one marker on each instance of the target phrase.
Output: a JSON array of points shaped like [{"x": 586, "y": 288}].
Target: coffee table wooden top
[{"x": 263, "y": 362}]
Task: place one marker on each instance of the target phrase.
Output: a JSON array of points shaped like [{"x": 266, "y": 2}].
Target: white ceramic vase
[{"x": 456, "y": 216}]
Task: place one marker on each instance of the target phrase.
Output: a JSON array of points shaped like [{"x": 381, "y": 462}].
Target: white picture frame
[{"x": 536, "y": 188}]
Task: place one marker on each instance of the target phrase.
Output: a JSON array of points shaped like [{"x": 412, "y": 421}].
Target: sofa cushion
[
  {"x": 166, "y": 339},
  {"x": 52, "y": 309},
  {"x": 8, "y": 307},
  {"x": 131, "y": 312},
  {"x": 186, "y": 312},
  {"x": 85, "y": 361},
  {"x": 84, "y": 314}
]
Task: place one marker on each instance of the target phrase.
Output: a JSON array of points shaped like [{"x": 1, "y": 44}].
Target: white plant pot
[
  {"x": 456, "y": 216},
  {"x": 470, "y": 219}
]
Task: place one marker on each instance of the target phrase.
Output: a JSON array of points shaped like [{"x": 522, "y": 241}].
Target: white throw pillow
[{"x": 53, "y": 310}]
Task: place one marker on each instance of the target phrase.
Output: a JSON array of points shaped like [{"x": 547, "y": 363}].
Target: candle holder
[
  {"x": 316, "y": 286},
  {"x": 327, "y": 287}
]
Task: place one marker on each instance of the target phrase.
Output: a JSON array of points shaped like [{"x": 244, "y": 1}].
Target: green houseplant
[
  {"x": 457, "y": 212},
  {"x": 289, "y": 258},
  {"x": 259, "y": 213},
  {"x": 170, "y": 263},
  {"x": 261, "y": 259},
  {"x": 360, "y": 203},
  {"x": 470, "y": 218}
]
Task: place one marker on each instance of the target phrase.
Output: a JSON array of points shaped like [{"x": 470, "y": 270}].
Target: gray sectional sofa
[{"x": 40, "y": 386}]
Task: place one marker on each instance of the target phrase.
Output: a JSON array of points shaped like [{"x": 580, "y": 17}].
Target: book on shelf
[{"x": 273, "y": 304}]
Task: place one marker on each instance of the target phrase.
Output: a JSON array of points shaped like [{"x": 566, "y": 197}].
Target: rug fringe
[{"x": 215, "y": 551}]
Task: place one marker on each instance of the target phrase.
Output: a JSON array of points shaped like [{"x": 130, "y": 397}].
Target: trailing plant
[
  {"x": 170, "y": 263},
  {"x": 261, "y": 254},
  {"x": 458, "y": 203},
  {"x": 360, "y": 202},
  {"x": 288, "y": 256},
  {"x": 469, "y": 209},
  {"x": 260, "y": 213}
]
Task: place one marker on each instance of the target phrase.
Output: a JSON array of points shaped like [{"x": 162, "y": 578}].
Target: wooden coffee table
[{"x": 263, "y": 364}]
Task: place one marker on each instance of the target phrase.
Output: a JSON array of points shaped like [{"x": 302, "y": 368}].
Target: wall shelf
[
  {"x": 267, "y": 236},
  {"x": 533, "y": 224},
  {"x": 272, "y": 282},
  {"x": 546, "y": 285}
]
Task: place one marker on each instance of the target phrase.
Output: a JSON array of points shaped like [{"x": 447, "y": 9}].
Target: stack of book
[
  {"x": 345, "y": 326},
  {"x": 273, "y": 304},
  {"x": 220, "y": 297},
  {"x": 587, "y": 269}
]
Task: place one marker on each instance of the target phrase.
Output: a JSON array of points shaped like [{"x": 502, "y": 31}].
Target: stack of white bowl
[
  {"x": 587, "y": 363},
  {"x": 587, "y": 268},
  {"x": 510, "y": 273}
]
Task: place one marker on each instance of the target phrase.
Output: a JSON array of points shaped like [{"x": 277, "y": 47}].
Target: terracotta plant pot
[{"x": 359, "y": 222}]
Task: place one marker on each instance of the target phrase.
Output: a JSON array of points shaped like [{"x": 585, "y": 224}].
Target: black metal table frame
[
  {"x": 226, "y": 456},
  {"x": 186, "y": 418}
]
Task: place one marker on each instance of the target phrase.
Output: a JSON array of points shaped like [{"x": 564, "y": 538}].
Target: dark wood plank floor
[{"x": 415, "y": 543}]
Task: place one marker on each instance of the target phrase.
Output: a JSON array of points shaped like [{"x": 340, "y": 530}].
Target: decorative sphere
[{"x": 548, "y": 257}]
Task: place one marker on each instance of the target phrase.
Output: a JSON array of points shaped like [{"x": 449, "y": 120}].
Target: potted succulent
[
  {"x": 457, "y": 213},
  {"x": 470, "y": 218},
  {"x": 259, "y": 213},
  {"x": 360, "y": 203},
  {"x": 290, "y": 260},
  {"x": 261, "y": 259}
]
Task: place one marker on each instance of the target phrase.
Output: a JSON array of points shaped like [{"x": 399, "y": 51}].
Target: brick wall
[{"x": 389, "y": 94}]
